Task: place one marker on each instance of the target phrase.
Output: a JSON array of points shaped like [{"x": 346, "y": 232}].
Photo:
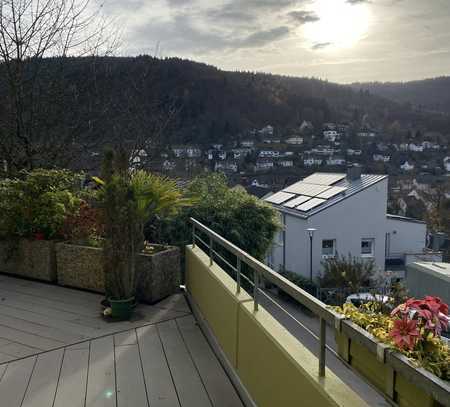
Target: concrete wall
[
  {"x": 405, "y": 237},
  {"x": 428, "y": 279},
  {"x": 360, "y": 216},
  {"x": 275, "y": 368}
]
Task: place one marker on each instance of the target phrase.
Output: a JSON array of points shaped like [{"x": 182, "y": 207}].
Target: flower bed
[{"x": 409, "y": 338}]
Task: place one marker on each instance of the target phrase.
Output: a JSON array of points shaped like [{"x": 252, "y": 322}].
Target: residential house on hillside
[
  {"x": 406, "y": 166},
  {"x": 269, "y": 153},
  {"x": 347, "y": 213},
  {"x": 295, "y": 140},
  {"x": 266, "y": 131},
  {"x": 247, "y": 143},
  {"x": 286, "y": 163},
  {"x": 335, "y": 161},
  {"x": 416, "y": 148},
  {"x": 264, "y": 164},
  {"x": 306, "y": 126},
  {"x": 351, "y": 152},
  {"x": 446, "y": 162},
  {"x": 381, "y": 158},
  {"x": 312, "y": 162},
  {"x": 330, "y": 135},
  {"x": 226, "y": 166}
]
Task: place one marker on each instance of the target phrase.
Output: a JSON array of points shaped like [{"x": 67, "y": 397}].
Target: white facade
[{"x": 357, "y": 224}]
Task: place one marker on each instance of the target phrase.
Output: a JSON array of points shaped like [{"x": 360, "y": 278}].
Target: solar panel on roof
[
  {"x": 296, "y": 201},
  {"x": 330, "y": 193},
  {"x": 279, "y": 197},
  {"x": 303, "y": 188},
  {"x": 324, "y": 178},
  {"x": 312, "y": 203}
]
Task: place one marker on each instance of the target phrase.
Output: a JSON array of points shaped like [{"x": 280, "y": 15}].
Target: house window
[
  {"x": 367, "y": 247},
  {"x": 328, "y": 248}
]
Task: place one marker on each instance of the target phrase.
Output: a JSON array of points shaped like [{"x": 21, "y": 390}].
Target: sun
[{"x": 340, "y": 24}]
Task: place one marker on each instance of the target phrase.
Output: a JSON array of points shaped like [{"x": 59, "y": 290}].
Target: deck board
[
  {"x": 42, "y": 388},
  {"x": 15, "y": 382},
  {"x": 101, "y": 384},
  {"x": 131, "y": 389},
  {"x": 217, "y": 384},
  {"x": 160, "y": 386},
  {"x": 71, "y": 390},
  {"x": 187, "y": 381}
]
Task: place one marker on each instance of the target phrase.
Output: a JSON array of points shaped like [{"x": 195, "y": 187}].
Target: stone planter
[
  {"x": 80, "y": 267},
  {"x": 158, "y": 274},
  {"x": 29, "y": 258},
  {"x": 398, "y": 379}
]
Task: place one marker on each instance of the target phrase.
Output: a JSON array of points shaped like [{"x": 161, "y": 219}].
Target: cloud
[
  {"x": 320, "y": 45},
  {"x": 261, "y": 38},
  {"x": 304, "y": 17},
  {"x": 358, "y": 1}
]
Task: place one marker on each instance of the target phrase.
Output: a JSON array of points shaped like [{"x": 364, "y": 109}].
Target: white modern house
[{"x": 340, "y": 214}]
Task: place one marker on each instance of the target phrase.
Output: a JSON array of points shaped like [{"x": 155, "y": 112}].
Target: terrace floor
[{"x": 57, "y": 351}]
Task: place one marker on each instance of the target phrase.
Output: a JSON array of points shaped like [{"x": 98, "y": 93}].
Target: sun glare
[{"x": 341, "y": 24}]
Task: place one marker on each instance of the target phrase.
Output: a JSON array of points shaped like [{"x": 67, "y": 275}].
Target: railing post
[
  {"x": 323, "y": 344},
  {"x": 193, "y": 235},
  {"x": 255, "y": 290},
  {"x": 238, "y": 275},
  {"x": 211, "y": 253}
]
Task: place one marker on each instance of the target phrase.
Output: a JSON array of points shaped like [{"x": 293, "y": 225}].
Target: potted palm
[
  {"x": 130, "y": 199},
  {"x": 122, "y": 238}
]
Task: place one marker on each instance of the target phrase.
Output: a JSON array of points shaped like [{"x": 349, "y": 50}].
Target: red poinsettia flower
[
  {"x": 436, "y": 304},
  {"x": 405, "y": 333}
]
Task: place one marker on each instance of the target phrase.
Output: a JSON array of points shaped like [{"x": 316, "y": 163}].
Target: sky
[{"x": 339, "y": 40}]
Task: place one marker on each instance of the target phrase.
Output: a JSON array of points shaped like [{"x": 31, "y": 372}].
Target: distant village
[{"x": 262, "y": 160}]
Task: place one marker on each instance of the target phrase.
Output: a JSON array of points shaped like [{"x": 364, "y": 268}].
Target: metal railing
[
  {"x": 260, "y": 272},
  {"x": 439, "y": 389}
]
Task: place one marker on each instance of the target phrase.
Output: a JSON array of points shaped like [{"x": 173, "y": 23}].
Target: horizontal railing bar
[
  {"x": 308, "y": 330},
  {"x": 224, "y": 260},
  {"x": 303, "y": 297},
  {"x": 201, "y": 240}
]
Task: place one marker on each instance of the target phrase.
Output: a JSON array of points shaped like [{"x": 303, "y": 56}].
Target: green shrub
[
  {"x": 37, "y": 203},
  {"x": 300, "y": 281},
  {"x": 231, "y": 212},
  {"x": 347, "y": 272}
]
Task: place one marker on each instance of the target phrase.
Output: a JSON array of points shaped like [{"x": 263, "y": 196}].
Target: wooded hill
[
  {"x": 92, "y": 101},
  {"x": 429, "y": 94}
]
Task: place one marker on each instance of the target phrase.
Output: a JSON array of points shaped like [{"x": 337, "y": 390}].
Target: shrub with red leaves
[{"x": 86, "y": 226}]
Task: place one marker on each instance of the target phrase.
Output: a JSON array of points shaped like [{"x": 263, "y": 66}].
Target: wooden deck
[
  {"x": 35, "y": 317},
  {"x": 160, "y": 359}
]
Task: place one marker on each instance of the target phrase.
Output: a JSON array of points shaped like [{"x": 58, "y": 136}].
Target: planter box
[
  {"x": 29, "y": 258},
  {"x": 158, "y": 275},
  {"x": 400, "y": 383}
]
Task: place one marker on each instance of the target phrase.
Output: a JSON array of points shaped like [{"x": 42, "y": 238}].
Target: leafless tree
[{"x": 30, "y": 32}]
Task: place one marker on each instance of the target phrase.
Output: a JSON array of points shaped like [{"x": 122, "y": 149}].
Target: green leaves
[
  {"x": 237, "y": 216},
  {"x": 38, "y": 202},
  {"x": 347, "y": 271}
]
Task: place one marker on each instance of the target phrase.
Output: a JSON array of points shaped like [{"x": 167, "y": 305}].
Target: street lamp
[{"x": 311, "y": 235}]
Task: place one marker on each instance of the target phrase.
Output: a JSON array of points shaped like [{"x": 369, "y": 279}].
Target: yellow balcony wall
[{"x": 274, "y": 367}]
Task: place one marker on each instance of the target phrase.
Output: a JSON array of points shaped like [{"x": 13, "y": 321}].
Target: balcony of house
[{"x": 225, "y": 339}]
